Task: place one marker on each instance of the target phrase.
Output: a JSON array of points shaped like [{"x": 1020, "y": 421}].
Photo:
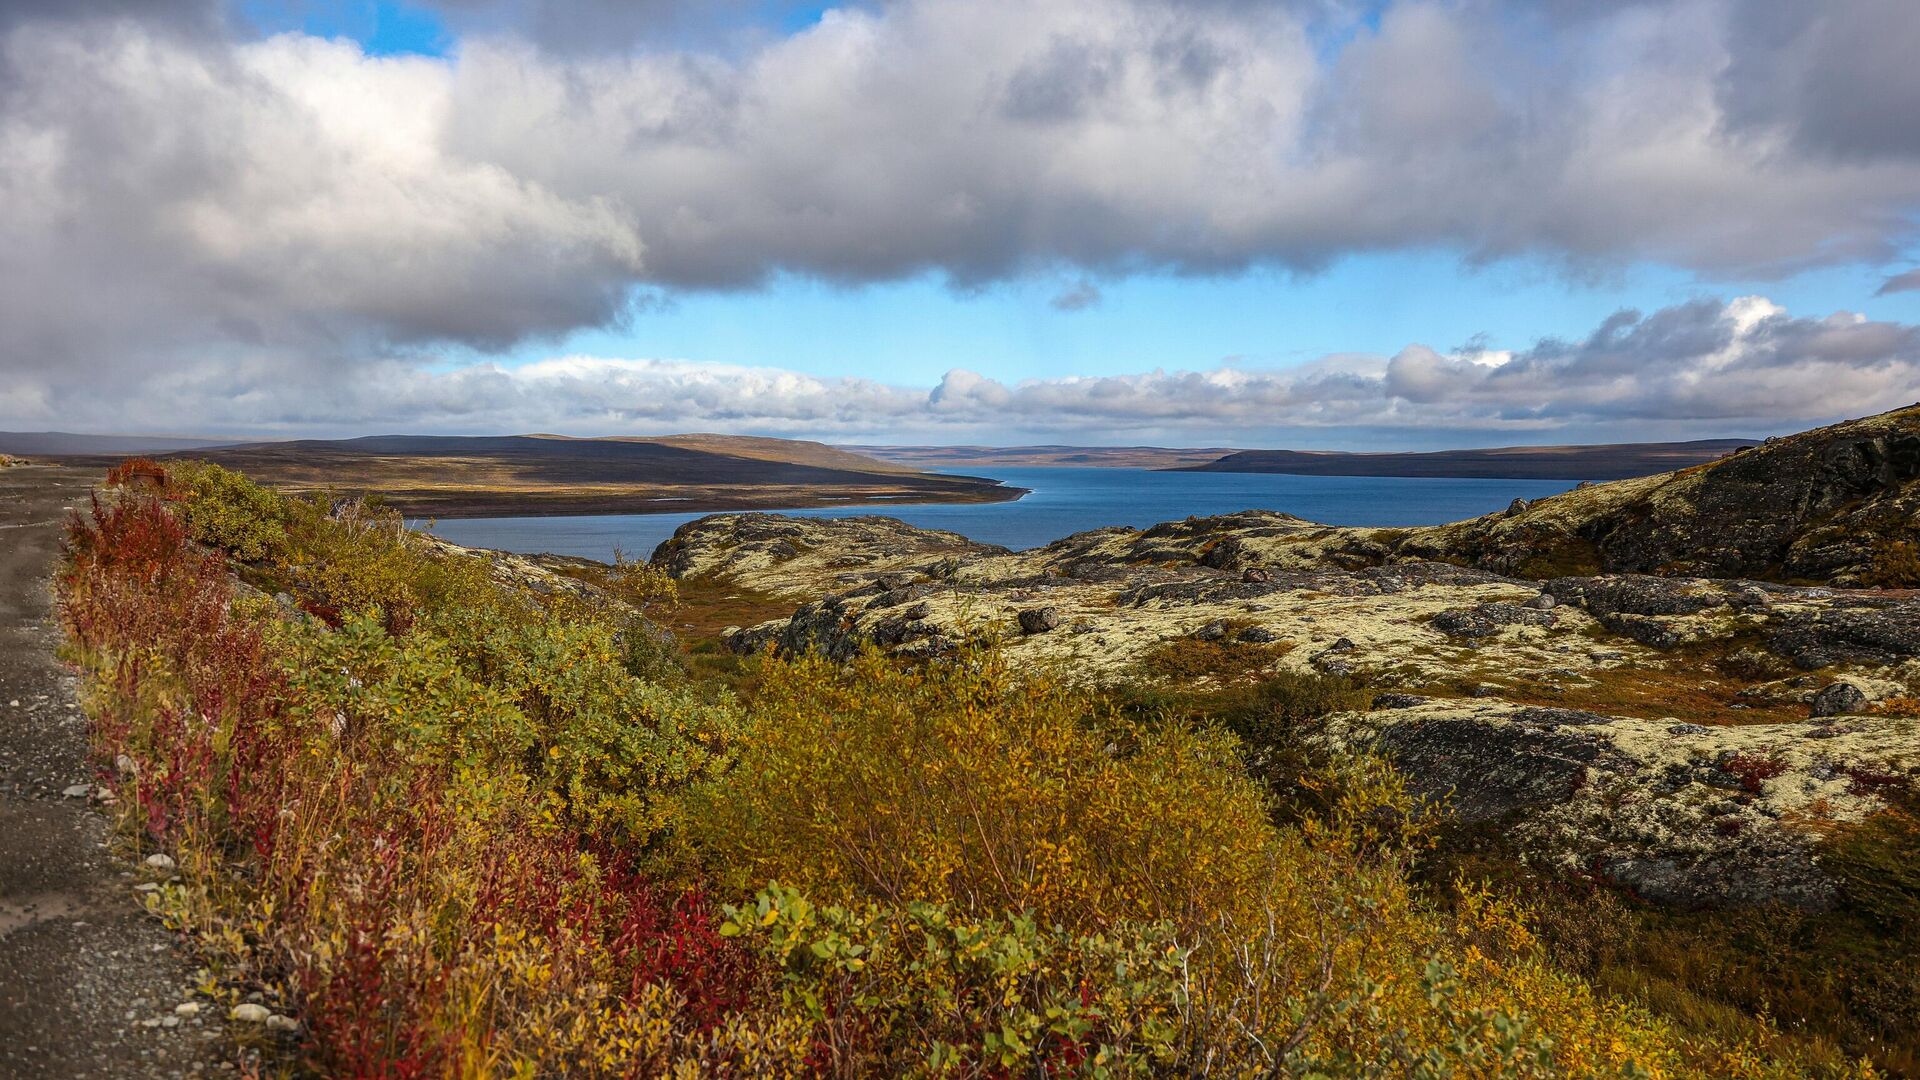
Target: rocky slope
[
  {"x": 1659, "y": 732},
  {"x": 1692, "y": 738},
  {"x": 1615, "y": 461},
  {"x": 1838, "y": 505}
]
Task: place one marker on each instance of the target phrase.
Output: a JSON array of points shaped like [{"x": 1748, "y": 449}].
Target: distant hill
[
  {"x": 72, "y": 444},
  {"x": 1112, "y": 457},
  {"x": 470, "y": 476},
  {"x": 1616, "y": 461}
]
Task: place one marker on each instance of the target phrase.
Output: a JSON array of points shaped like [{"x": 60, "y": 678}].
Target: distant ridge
[
  {"x": 1613, "y": 461},
  {"x": 1110, "y": 457},
  {"x": 486, "y": 475},
  {"x": 74, "y": 444}
]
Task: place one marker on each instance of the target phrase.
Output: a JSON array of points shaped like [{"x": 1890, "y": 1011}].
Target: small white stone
[
  {"x": 77, "y": 791},
  {"x": 14, "y": 704},
  {"x": 158, "y": 861},
  {"x": 282, "y": 1023},
  {"x": 170, "y": 1021},
  {"x": 248, "y": 1012},
  {"x": 187, "y": 1008},
  {"x": 146, "y": 886}
]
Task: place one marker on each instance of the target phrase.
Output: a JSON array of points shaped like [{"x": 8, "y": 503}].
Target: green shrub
[
  {"x": 548, "y": 701},
  {"x": 226, "y": 510},
  {"x": 919, "y": 990}
]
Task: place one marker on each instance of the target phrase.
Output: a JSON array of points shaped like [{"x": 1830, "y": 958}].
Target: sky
[{"x": 1323, "y": 224}]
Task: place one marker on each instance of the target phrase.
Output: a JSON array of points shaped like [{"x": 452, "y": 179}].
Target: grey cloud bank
[{"x": 1744, "y": 367}]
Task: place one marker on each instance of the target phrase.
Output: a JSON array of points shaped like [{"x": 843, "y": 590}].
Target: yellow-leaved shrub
[{"x": 959, "y": 784}]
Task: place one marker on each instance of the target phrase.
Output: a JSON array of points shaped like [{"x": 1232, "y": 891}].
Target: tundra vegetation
[{"x": 460, "y": 814}]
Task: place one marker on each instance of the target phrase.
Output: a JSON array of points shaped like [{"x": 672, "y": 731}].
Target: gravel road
[{"x": 89, "y": 984}]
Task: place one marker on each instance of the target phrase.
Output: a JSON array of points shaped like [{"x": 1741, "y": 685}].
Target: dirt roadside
[{"x": 89, "y": 984}]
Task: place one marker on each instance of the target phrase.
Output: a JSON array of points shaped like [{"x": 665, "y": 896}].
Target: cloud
[
  {"x": 1903, "y": 282},
  {"x": 1741, "y": 367},
  {"x": 1837, "y": 79},
  {"x": 166, "y": 197},
  {"x": 1079, "y": 296},
  {"x": 182, "y": 203}
]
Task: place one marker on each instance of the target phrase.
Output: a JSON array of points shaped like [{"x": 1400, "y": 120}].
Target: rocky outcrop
[
  {"x": 1685, "y": 814},
  {"x": 1592, "y": 722},
  {"x": 802, "y": 557},
  {"x": 1838, "y": 505}
]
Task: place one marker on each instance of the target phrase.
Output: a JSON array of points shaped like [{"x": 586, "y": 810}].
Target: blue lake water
[{"x": 1064, "y": 501}]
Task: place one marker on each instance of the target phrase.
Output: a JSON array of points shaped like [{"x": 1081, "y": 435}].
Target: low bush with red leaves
[{"x": 420, "y": 914}]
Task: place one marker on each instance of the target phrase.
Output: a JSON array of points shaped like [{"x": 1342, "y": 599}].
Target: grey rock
[
  {"x": 1488, "y": 771},
  {"x": 1397, "y": 701},
  {"x": 1039, "y": 620},
  {"x": 1882, "y": 632},
  {"x": 1485, "y": 620},
  {"x": 753, "y": 639},
  {"x": 1839, "y": 699},
  {"x": 1464, "y": 622}
]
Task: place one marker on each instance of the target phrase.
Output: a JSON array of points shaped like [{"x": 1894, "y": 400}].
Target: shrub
[
  {"x": 377, "y": 831},
  {"x": 226, "y": 510},
  {"x": 958, "y": 784},
  {"x": 1272, "y": 720},
  {"x": 917, "y": 989},
  {"x": 1896, "y": 564},
  {"x": 434, "y": 827}
]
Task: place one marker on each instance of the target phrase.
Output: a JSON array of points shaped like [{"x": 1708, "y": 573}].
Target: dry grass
[
  {"x": 1688, "y": 689},
  {"x": 1223, "y": 661}
]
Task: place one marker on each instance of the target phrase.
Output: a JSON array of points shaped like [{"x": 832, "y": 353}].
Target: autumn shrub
[
  {"x": 921, "y": 990},
  {"x": 958, "y": 784},
  {"x": 448, "y": 826},
  {"x": 988, "y": 872},
  {"x": 1272, "y": 720},
  {"x": 546, "y": 699},
  {"x": 228, "y": 511},
  {"x": 1896, "y": 564},
  {"x": 379, "y": 833}
]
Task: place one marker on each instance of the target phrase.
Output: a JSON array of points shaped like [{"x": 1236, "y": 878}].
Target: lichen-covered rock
[
  {"x": 784, "y": 555},
  {"x": 1042, "y": 619},
  {"x": 1684, "y": 814},
  {"x": 1838, "y": 699},
  {"x": 1415, "y": 625},
  {"x": 1483, "y": 620},
  {"x": 1549, "y": 722},
  {"x": 746, "y": 641}
]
